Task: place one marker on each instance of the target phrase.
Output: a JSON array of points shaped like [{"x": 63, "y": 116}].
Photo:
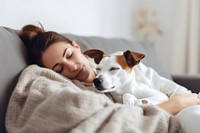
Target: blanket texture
[{"x": 46, "y": 102}]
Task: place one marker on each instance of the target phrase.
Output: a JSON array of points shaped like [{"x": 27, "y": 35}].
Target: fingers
[
  {"x": 196, "y": 96},
  {"x": 188, "y": 98}
]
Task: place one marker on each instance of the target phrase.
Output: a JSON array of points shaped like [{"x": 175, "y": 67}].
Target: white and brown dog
[
  {"x": 116, "y": 75},
  {"x": 128, "y": 80}
]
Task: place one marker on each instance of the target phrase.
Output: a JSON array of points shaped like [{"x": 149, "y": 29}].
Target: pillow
[{"x": 12, "y": 62}]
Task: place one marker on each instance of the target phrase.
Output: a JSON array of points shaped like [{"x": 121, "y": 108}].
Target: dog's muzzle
[{"x": 98, "y": 83}]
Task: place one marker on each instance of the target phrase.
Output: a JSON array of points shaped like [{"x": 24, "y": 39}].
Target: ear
[
  {"x": 96, "y": 54},
  {"x": 133, "y": 58}
]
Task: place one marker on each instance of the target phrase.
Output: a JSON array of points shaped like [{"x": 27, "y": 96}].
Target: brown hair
[{"x": 38, "y": 40}]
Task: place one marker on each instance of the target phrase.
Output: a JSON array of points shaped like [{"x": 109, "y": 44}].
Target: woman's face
[{"x": 68, "y": 60}]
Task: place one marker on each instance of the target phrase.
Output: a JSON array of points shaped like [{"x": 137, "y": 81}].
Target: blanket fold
[{"x": 46, "y": 102}]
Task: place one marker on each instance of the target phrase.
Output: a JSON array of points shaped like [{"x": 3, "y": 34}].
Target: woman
[{"x": 56, "y": 52}]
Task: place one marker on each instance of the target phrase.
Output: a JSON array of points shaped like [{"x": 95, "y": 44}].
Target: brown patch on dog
[
  {"x": 121, "y": 60},
  {"x": 133, "y": 58},
  {"x": 129, "y": 59}
]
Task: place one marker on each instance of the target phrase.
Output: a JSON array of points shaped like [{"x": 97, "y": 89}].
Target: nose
[
  {"x": 71, "y": 66},
  {"x": 98, "y": 82}
]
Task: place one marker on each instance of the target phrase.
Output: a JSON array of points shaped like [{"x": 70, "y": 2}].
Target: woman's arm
[{"x": 179, "y": 102}]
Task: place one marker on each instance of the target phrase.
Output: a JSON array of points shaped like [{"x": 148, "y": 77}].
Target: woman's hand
[{"x": 179, "y": 102}]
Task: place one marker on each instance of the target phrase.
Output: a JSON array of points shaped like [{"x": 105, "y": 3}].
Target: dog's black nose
[{"x": 98, "y": 82}]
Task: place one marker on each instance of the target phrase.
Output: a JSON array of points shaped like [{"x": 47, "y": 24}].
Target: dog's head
[{"x": 113, "y": 71}]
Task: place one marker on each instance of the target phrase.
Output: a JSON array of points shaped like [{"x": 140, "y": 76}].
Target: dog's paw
[
  {"x": 129, "y": 99},
  {"x": 199, "y": 95}
]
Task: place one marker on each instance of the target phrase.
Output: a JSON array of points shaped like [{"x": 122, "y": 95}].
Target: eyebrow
[{"x": 63, "y": 56}]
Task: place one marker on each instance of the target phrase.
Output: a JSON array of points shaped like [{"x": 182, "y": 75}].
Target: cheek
[
  {"x": 66, "y": 74},
  {"x": 115, "y": 79},
  {"x": 83, "y": 60},
  {"x": 120, "y": 76},
  {"x": 79, "y": 57},
  {"x": 111, "y": 79}
]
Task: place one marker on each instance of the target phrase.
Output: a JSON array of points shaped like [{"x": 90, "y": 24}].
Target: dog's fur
[{"x": 116, "y": 75}]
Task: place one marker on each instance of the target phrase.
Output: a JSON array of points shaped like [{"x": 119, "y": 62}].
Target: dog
[{"x": 121, "y": 75}]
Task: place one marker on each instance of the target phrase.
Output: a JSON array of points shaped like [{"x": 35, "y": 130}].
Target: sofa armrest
[{"x": 190, "y": 82}]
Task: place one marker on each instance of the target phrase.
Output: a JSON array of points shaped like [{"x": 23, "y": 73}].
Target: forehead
[
  {"x": 53, "y": 53},
  {"x": 108, "y": 61},
  {"x": 114, "y": 61}
]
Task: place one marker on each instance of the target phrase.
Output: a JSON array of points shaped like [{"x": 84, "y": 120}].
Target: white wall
[
  {"x": 84, "y": 17},
  {"x": 166, "y": 15},
  {"x": 107, "y": 18}
]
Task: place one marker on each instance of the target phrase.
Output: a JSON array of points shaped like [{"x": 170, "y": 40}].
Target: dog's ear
[
  {"x": 133, "y": 58},
  {"x": 96, "y": 54}
]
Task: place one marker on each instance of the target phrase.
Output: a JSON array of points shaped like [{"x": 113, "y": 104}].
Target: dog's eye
[
  {"x": 114, "y": 68},
  {"x": 98, "y": 69}
]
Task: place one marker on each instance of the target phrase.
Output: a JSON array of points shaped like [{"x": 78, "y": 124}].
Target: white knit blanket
[{"x": 46, "y": 102}]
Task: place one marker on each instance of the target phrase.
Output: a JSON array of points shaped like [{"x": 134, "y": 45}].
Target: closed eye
[
  {"x": 70, "y": 56},
  {"x": 98, "y": 69},
  {"x": 114, "y": 68},
  {"x": 58, "y": 68},
  {"x": 68, "y": 53},
  {"x": 61, "y": 70}
]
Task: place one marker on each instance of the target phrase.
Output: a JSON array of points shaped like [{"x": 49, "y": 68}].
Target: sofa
[{"x": 13, "y": 60}]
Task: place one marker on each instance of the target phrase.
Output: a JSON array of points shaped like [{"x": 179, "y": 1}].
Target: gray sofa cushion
[{"x": 12, "y": 61}]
